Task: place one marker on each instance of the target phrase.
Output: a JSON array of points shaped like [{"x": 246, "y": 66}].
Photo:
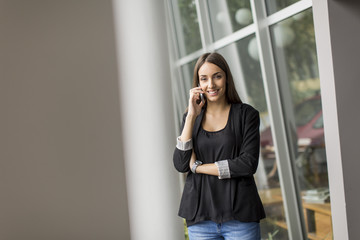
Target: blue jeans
[{"x": 231, "y": 230}]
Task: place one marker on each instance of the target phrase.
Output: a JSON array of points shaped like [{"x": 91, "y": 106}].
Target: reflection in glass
[
  {"x": 296, "y": 63},
  {"x": 273, "y": 6},
  {"x": 188, "y": 72},
  {"x": 228, "y": 16},
  {"x": 187, "y": 25},
  {"x": 245, "y": 67},
  {"x": 187, "y": 76}
]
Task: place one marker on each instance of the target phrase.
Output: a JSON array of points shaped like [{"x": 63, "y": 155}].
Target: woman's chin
[{"x": 215, "y": 98}]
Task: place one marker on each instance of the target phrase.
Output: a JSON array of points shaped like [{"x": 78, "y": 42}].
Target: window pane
[
  {"x": 276, "y": 5},
  {"x": 187, "y": 78},
  {"x": 296, "y": 63},
  {"x": 187, "y": 26},
  {"x": 243, "y": 61},
  {"x": 228, "y": 16},
  {"x": 188, "y": 72}
]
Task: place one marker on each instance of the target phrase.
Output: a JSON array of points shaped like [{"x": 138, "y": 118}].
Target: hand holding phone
[
  {"x": 201, "y": 99},
  {"x": 196, "y": 101}
]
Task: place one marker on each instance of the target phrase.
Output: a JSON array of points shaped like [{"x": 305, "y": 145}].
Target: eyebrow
[{"x": 213, "y": 74}]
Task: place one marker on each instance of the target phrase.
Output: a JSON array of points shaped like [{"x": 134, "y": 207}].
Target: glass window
[
  {"x": 188, "y": 72},
  {"x": 244, "y": 64},
  {"x": 296, "y": 65},
  {"x": 187, "y": 26},
  {"x": 297, "y": 73},
  {"x": 319, "y": 123},
  {"x": 307, "y": 110},
  {"x": 228, "y": 16},
  {"x": 276, "y": 5}
]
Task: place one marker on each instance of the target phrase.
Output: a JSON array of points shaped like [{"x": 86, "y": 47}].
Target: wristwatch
[{"x": 195, "y": 165}]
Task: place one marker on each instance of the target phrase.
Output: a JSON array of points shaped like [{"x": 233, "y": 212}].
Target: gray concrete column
[
  {"x": 62, "y": 171},
  {"x": 337, "y": 41},
  {"x": 147, "y": 119}
]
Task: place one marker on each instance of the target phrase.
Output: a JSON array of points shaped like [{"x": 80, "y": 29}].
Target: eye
[
  {"x": 203, "y": 79},
  {"x": 218, "y": 76}
]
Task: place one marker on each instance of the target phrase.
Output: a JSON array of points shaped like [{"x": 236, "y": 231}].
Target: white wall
[
  {"x": 337, "y": 39},
  {"x": 147, "y": 120},
  {"x": 61, "y": 162}
]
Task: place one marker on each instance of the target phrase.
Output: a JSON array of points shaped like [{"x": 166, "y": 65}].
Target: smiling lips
[{"x": 213, "y": 92}]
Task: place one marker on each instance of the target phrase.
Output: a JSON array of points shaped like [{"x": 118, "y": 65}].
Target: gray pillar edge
[{"x": 330, "y": 114}]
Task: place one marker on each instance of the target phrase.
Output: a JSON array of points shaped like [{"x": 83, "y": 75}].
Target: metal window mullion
[
  {"x": 205, "y": 34},
  {"x": 177, "y": 25},
  {"x": 172, "y": 29},
  {"x": 189, "y": 58},
  {"x": 204, "y": 24},
  {"x": 223, "y": 42},
  {"x": 236, "y": 36},
  {"x": 272, "y": 94},
  {"x": 288, "y": 11},
  {"x": 172, "y": 56},
  {"x": 176, "y": 80},
  {"x": 176, "y": 75}
]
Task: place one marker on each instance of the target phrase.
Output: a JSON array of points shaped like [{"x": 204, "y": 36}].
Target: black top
[
  {"x": 214, "y": 202},
  {"x": 206, "y": 197}
]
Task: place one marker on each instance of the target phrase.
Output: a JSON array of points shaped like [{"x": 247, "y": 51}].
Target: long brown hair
[{"x": 231, "y": 94}]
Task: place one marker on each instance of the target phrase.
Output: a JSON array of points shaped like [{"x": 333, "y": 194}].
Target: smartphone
[{"x": 201, "y": 97}]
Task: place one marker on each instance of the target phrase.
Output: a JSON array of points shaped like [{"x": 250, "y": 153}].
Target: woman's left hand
[{"x": 192, "y": 159}]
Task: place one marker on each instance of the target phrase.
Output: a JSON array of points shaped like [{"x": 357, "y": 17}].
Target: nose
[{"x": 211, "y": 84}]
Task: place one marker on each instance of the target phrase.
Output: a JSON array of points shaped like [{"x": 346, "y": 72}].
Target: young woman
[{"x": 219, "y": 148}]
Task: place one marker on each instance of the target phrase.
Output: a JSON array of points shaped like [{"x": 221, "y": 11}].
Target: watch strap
[{"x": 195, "y": 165}]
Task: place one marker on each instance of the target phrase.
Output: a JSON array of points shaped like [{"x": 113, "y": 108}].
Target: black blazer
[{"x": 244, "y": 198}]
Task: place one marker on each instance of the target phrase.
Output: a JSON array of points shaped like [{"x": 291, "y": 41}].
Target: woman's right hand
[{"x": 195, "y": 108}]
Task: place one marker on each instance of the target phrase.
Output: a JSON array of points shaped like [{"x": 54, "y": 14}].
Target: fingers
[
  {"x": 195, "y": 92},
  {"x": 195, "y": 103},
  {"x": 201, "y": 104},
  {"x": 195, "y": 95}
]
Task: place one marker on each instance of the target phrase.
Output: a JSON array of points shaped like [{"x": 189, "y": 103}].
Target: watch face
[{"x": 197, "y": 162}]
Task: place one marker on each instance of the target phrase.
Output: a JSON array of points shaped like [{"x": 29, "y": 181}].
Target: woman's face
[{"x": 212, "y": 81}]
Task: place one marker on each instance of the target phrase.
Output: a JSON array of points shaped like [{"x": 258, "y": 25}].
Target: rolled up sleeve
[
  {"x": 182, "y": 153},
  {"x": 223, "y": 168},
  {"x": 184, "y": 146}
]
